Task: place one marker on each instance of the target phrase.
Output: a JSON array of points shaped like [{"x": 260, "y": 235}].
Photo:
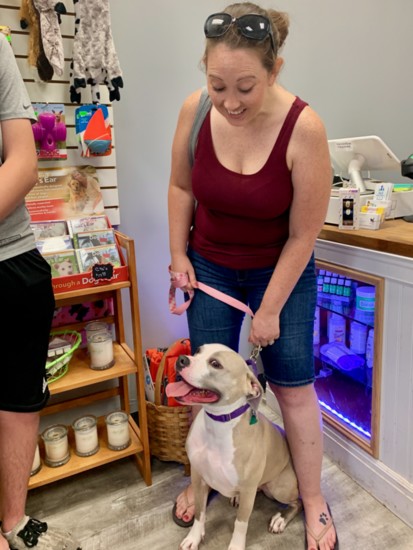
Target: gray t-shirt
[{"x": 16, "y": 237}]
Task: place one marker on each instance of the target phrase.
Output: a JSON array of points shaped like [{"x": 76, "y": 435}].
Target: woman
[{"x": 261, "y": 181}]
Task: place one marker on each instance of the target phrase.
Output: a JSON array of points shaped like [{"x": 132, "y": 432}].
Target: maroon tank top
[{"x": 242, "y": 221}]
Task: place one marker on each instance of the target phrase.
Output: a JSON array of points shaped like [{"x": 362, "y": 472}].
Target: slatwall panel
[{"x": 57, "y": 91}]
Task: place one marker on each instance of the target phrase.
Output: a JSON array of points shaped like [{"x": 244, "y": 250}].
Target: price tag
[{"x": 102, "y": 271}]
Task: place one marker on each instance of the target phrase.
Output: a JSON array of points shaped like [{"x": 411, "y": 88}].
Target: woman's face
[{"x": 237, "y": 82}]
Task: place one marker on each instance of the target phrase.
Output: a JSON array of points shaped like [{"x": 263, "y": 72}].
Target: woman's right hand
[{"x": 183, "y": 265}]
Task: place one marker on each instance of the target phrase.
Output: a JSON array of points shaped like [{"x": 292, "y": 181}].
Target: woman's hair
[{"x": 234, "y": 39}]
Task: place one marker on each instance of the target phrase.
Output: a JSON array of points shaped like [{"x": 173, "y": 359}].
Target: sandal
[
  {"x": 323, "y": 531},
  {"x": 180, "y": 521}
]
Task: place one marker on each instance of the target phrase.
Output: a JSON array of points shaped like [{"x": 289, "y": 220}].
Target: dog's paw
[
  {"x": 192, "y": 540},
  {"x": 188, "y": 544},
  {"x": 234, "y": 501},
  {"x": 277, "y": 524}
]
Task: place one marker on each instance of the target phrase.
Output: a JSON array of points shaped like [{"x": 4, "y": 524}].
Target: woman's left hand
[{"x": 265, "y": 329}]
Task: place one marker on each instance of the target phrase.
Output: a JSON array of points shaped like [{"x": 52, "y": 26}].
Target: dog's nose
[{"x": 182, "y": 362}]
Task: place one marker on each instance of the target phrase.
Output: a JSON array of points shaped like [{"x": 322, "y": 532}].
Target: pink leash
[{"x": 179, "y": 280}]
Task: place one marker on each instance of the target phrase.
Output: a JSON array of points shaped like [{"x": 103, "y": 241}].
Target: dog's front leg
[
  {"x": 246, "y": 504},
  {"x": 197, "y": 532}
]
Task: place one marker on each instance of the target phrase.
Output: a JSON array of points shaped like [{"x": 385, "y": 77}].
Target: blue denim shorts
[{"x": 289, "y": 361}]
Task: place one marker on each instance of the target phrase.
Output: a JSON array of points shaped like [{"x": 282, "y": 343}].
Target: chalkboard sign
[{"x": 102, "y": 271}]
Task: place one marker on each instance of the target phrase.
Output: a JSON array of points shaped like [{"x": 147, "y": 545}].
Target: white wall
[{"x": 350, "y": 60}]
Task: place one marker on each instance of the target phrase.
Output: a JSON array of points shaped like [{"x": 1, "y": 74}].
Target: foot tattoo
[{"x": 323, "y": 518}]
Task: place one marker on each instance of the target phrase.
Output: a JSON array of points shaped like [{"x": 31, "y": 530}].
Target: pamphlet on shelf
[
  {"x": 54, "y": 244},
  {"x": 88, "y": 223},
  {"x": 99, "y": 237},
  {"x": 63, "y": 263},
  {"x": 50, "y": 228},
  {"x": 89, "y": 257}
]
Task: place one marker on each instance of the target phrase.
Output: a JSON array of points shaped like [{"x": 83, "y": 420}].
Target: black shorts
[{"x": 27, "y": 307}]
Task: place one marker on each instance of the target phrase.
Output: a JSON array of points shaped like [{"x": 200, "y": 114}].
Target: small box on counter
[{"x": 349, "y": 208}]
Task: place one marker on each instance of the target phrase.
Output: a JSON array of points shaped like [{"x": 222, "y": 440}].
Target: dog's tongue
[
  {"x": 178, "y": 389},
  {"x": 188, "y": 394}
]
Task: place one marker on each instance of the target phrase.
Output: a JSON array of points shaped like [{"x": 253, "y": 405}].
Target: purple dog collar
[{"x": 229, "y": 416}]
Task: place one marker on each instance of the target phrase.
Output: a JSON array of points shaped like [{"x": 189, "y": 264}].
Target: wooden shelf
[
  {"x": 80, "y": 374},
  {"x": 78, "y": 464},
  {"x": 73, "y": 296},
  {"x": 128, "y": 366}
]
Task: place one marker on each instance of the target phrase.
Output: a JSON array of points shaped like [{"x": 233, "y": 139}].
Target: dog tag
[{"x": 253, "y": 419}]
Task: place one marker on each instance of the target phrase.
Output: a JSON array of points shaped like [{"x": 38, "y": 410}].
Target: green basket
[{"x": 63, "y": 343}]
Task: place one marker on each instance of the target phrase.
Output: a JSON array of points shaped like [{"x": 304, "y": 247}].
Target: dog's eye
[{"x": 215, "y": 364}]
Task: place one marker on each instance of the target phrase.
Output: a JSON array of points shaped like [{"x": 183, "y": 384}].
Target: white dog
[{"x": 232, "y": 448}]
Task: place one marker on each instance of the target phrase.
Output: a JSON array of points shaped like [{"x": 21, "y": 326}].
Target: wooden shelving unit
[{"x": 128, "y": 365}]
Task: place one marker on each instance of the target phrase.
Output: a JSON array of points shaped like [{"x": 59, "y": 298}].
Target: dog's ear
[{"x": 255, "y": 390}]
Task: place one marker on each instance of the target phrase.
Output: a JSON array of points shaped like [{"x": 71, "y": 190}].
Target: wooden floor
[{"x": 111, "y": 508}]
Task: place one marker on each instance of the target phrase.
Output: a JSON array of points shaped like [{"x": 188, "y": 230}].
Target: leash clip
[{"x": 256, "y": 350}]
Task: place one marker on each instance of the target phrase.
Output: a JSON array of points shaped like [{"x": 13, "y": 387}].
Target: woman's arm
[
  {"x": 309, "y": 159},
  {"x": 180, "y": 198},
  {"x": 18, "y": 173}
]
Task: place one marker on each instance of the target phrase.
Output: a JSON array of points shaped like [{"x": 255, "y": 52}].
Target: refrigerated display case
[{"x": 347, "y": 351}]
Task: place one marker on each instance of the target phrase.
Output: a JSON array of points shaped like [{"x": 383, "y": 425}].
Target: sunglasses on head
[{"x": 252, "y": 26}]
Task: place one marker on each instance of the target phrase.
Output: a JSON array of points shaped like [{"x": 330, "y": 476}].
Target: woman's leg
[
  {"x": 289, "y": 369},
  {"x": 303, "y": 426}
]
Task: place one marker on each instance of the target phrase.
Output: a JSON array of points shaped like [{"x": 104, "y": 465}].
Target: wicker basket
[{"x": 168, "y": 426}]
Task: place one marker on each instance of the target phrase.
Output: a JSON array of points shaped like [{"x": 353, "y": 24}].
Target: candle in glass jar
[
  {"x": 101, "y": 350},
  {"x": 86, "y": 435},
  {"x": 117, "y": 424},
  {"x": 56, "y": 445},
  {"x": 36, "y": 462}
]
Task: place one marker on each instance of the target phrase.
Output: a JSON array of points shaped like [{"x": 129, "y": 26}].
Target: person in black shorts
[{"x": 27, "y": 306}]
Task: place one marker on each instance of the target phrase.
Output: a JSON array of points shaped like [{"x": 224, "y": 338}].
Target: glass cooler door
[{"x": 347, "y": 344}]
